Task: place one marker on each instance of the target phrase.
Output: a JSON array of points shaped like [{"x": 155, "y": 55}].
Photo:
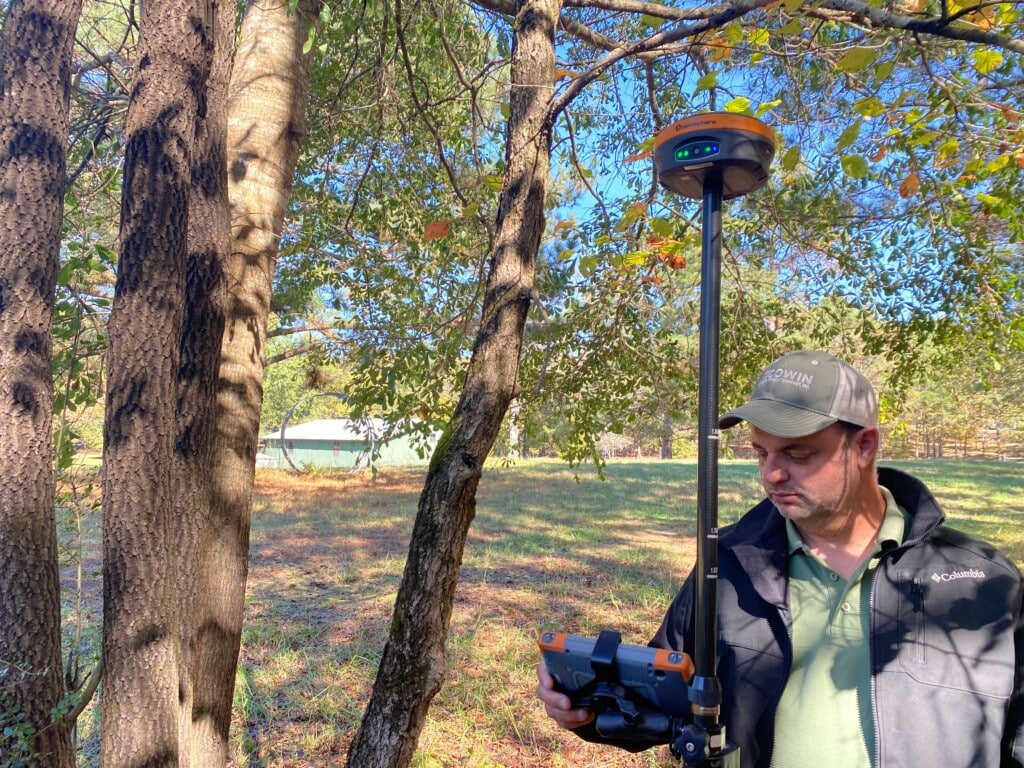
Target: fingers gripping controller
[{"x": 638, "y": 693}]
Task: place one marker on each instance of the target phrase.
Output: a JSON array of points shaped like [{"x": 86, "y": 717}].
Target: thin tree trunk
[
  {"x": 412, "y": 666},
  {"x": 666, "y": 437},
  {"x": 36, "y": 59},
  {"x": 266, "y": 122},
  {"x": 140, "y": 702}
]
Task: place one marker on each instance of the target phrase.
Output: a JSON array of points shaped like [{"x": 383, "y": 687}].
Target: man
[{"x": 856, "y": 630}]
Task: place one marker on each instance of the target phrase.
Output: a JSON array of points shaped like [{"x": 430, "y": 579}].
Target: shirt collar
[{"x": 890, "y": 533}]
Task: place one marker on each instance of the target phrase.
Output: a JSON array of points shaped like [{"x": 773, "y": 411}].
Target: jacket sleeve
[
  {"x": 1013, "y": 736},
  {"x": 676, "y": 630}
]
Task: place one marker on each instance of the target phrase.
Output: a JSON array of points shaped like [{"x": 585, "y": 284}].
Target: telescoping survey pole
[{"x": 710, "y": 157}]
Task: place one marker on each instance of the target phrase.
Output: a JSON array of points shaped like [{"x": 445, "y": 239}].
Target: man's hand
[{"x": 558, "y": 705}]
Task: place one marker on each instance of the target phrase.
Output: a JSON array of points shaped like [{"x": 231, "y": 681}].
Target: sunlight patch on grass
[{"x": 551, "y": 548}]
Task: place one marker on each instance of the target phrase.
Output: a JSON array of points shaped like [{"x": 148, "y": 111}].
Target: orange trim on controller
[
  {"x": 673, "y": 661},
  {"x": 556, "y": 643}
]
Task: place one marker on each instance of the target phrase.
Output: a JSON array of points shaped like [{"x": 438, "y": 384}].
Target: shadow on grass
[{"x": 550, "y": 548}]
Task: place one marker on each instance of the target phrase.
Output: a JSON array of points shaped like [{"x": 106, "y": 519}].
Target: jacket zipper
[{"x": 876, "y": 759}]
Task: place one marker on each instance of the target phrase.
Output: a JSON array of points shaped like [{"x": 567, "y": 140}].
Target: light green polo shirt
[{"x": 824, "y": 716}]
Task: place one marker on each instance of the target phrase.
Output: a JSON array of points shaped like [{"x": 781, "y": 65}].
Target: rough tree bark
[
  {"x": 266, "y": 122},
  {"x": 140, "y": 702},
  {"x": 412, "y": 666},
  {"x": 36, "y": 80},
  {"x": 209, "y": 244}
]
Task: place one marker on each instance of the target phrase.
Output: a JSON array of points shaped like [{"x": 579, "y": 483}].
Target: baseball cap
[{"x": 804, "y": 392}]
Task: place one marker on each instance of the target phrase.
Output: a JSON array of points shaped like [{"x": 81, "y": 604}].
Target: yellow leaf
[{"x": 983, "y": 18}]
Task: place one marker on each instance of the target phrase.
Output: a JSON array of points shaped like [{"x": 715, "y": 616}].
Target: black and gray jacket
[{"x": 947, "y": 641}]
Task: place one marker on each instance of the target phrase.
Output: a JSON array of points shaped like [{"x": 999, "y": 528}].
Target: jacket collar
[{"x": 758, "y": 539}]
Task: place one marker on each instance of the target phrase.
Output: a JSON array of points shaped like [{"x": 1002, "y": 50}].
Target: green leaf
[
  {"x": 635, "y": 258},
  {"x": 855, "y": 166},
  {"x": 739, "y": 104},
  {"x": 793, "y": 26},
  {"x": 647, "y": 145},
  {"x": 759, "y": 37},
  {"x": 856, "y": 59},
  {"x": 766, "y": 106},
  {"x": 871, "y": 106},
  {"x": 706, "y": 82},
  {"x": 1000, "y": 162},
  {"x": 792, "y": 6},
  {"x": 791, "y": 157},
  {"x": 849, "y": 135},
  {"x": 987, "y": 60},
  {"x": 662, "y": 226},
  {"x": 733, "y": 32},
  {"x": 653, "y": 22},
  {"x": 882, "y": 71}
]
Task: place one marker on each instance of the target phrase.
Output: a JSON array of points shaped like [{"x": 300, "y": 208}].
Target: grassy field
[{"x": 550, "y": 548}]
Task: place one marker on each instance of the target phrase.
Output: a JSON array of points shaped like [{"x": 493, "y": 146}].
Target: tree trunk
[
  {"x": 36, "y": 58},
  {"x": 412, "y": 666},
  {"x": 140, "y": 703},
  {"x": 209, "y": 244},
  {"x": 665, "y": 438},
  {"x": 266, "y": 122}
]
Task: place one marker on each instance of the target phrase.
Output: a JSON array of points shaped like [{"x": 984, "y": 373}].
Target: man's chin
[{"x": 790, "y": 508}]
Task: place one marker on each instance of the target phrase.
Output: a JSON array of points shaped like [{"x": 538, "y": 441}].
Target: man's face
[{"x": 816, "y": 480}]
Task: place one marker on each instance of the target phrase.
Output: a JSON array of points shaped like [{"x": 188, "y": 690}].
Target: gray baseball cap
[{"x": 804, "y": 392}]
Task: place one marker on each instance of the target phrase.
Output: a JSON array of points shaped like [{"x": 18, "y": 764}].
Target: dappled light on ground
[{"x": 550, "y": 548}]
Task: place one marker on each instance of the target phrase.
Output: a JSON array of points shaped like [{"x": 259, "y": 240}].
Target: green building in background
[{"x": 343, "y": 444}]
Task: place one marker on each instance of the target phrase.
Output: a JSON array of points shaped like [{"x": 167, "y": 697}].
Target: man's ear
[{"x": 867, "y": 442}]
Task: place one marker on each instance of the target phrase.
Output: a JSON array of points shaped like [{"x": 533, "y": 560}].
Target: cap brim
[{"x": 777, "y": 418}]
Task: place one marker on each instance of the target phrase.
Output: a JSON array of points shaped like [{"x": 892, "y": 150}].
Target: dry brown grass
[
  {"x": 327, "y": 555},
  {"x": 548, "y": 550}
]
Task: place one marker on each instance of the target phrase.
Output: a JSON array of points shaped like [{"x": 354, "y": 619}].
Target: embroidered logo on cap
[{"x": 799, "y": 378}]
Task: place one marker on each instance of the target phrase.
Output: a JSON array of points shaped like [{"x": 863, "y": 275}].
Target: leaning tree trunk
[
  {"x": 412, "y": 667},
  {"x": 140, "y": 704},
  {"x": 36, "y": 86},
  {"x": 266, "y": 122}
]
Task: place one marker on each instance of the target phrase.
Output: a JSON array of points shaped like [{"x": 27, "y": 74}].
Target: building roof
[{"x": 333, "y": 429}]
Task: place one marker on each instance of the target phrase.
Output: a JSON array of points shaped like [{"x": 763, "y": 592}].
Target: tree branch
[{"x": 944, "y": 26}]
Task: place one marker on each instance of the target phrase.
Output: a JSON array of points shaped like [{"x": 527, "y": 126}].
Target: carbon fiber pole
[
  {"x": 703, "y": 743},
  {"x": 707, "y": 428}
]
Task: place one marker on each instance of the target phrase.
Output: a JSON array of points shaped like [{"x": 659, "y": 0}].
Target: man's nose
[{"x": 773, "y": 472}]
